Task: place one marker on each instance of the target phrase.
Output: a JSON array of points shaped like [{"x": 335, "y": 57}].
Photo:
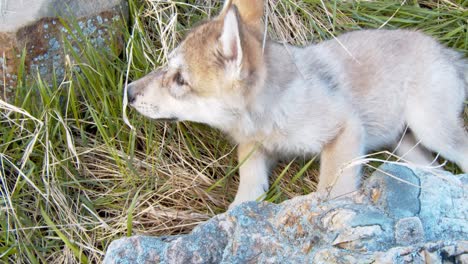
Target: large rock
[
  {"x": 33, "y": 25},
  {"x": 401, "y": 216}
]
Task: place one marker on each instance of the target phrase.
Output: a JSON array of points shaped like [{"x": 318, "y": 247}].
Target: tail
[
  {"x": 462, "y": 67},
  {"x": 465, "y": 74}
]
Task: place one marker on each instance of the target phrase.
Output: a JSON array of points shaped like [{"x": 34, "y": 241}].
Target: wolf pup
[{"x": 341, "y": 98}]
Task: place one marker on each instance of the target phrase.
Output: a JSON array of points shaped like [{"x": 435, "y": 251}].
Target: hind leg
[
  {"x": 433, "y": 112},
  {"x": 412, "y": 151},
  {"x": 442, "y": 133}
]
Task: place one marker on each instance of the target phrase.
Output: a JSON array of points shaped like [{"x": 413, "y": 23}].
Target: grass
[{"x": 73, "y": 176}]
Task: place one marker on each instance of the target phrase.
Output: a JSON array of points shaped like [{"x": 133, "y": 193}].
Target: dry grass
[{"x": 73, "y": 176}]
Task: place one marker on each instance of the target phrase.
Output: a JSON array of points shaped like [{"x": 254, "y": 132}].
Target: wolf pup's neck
[{"x": 264, "y": 99}]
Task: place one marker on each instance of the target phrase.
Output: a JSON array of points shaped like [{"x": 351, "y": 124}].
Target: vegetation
[{"x": 74, "y": 176}]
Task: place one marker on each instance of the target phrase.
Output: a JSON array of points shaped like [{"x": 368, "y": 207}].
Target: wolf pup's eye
[{"x": 179, "y": 79}]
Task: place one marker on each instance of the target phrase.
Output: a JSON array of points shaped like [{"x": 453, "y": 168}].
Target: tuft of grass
[{"x": 73, "y": 176}]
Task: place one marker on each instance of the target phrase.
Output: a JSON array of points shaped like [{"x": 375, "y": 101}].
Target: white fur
[
  {"x": 253, "y": 172},
  {"x": 322, "y": 99},
  {"x": 230, "y": 37}
]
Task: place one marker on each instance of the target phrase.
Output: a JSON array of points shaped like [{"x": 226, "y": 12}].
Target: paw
[{"x": 248, "y": 195}]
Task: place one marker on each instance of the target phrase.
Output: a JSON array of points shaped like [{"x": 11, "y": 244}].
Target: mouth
[{"x": 171, "y": 119}]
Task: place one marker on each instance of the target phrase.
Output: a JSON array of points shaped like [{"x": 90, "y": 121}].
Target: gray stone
[
  {"x": 463, "y": 259},
  {"x": 443, "y": 205},
  {"x": 367, "y": 227},
  {"x": 17, "y": 14},
  {"x": 402, "y": 188},
  {"x": 409, "y": 231},
  {"x": 34, "y": 26}
]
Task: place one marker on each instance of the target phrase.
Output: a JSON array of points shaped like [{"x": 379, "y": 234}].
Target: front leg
[
  {"x": 337, "y": 176},
  {"x": 253, "y": 173}
]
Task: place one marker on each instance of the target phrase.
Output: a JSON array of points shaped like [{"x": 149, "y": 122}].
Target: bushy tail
[
  {"x": 465, "y": 74},
  {"x": 463, "y": 71},
  {"x": 461, "y": 66}
]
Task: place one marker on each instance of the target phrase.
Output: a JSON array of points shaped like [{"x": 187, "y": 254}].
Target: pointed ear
[
  {"x": 230, "y": 37},
  {"x": 251, "y": 12},
  {"x": 226, "y": 6}
]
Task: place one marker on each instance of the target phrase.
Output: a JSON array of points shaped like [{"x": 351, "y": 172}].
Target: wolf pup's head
[{"x": 212, "y": 74}]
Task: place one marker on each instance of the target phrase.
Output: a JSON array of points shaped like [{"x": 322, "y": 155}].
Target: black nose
[{"x": 131, "y": 94}]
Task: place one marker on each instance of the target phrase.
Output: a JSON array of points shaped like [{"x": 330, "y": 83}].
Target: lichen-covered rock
[
  {"x": 34, "y": 26},
  {"x": 409, "y": 231},
  {"x": 402, "y": 216}
]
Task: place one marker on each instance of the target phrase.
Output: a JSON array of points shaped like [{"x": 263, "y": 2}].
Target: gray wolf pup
[{"x": 342, "y": 98}]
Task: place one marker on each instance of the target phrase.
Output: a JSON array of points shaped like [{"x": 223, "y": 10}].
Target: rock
[
  {"x": 462, "y": 258},
  {"x": 409, "y": 231},
  {"x": 33, "y": 25},
  {"x": 373, "y": 226},
  {"x": 402, "y": 191}
]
